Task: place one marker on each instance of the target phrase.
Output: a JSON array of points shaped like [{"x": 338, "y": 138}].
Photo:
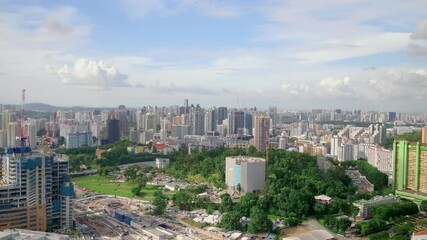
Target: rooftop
[
  {"x": 21, "y": 234},
  {"x": 248, "y": 159}
]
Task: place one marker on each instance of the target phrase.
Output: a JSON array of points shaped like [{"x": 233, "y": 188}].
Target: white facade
[
  {"x": 249, "y": 172},
  {"x": 32, "y": 135},
  {"x": 13, "y": 134},
  {"x": 346, "y": 152},
  {"x": 335, "y": 143},
  {"x": 162, "y": 162}
]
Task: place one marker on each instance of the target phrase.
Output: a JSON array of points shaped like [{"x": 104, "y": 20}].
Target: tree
[
  {"x": 183, "y": 200},
  {"x": 343, "y": 224},
  {"x": 226, "y": 203},
  {"x": 230, "y": 220},
  {"x": 246, "y": 202},
  {"x": 160, "y": 203},
  {"x": 259, "y": 221},
  {"x": 136, "y": 191},
  {"x": 239, "y": 187},
  {"x": 131, "y": 173},
  {"x": 379, "y": 236},
  {"x": 423, "y": 206},
  {"x": 320, "y": 209},
  {"x": 354, "y": 211},
  {"x": 292, "y": 220}
]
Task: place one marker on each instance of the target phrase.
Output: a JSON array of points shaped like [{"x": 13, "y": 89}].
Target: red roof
[
  {"x": 159, "y": 145},
  {"x": 423, "y": 232},
  {"x": 99, "y": 152}
]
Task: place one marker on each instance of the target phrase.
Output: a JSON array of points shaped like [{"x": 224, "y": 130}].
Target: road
[{"x": 315, "y": 225}]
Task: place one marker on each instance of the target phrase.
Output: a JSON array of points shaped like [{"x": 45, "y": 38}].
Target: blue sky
[{"x": 299, "y": 54}]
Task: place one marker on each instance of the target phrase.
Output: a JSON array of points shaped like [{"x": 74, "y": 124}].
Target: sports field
[{"x": 108, "y": 185}]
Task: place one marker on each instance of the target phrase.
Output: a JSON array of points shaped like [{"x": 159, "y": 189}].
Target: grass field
[{"x": 107, "y": 185}]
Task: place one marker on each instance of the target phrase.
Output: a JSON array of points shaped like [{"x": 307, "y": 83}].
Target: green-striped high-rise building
[{"x": 410, "y": 170}]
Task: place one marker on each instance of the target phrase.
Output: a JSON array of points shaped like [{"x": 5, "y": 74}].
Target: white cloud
[
  {"x": 415, "y": 49},
  {"x": 334, "y": 50},
  {"x": 93, "y": 73},
  {"x": 337, "y": 88},
  {"x": 420, "y": 30},
  {"x": 418, "y": 45},
  {"x": 52, "y": 24}
]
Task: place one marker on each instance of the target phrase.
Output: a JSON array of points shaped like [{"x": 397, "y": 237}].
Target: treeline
[
  {"x": 411, "y": 137},
  {"x": 74, "y": 151},
  {"x": 385, "y": 212},
  {"x": 375, "y": 176},
  {"x": 115, "y": 155}
]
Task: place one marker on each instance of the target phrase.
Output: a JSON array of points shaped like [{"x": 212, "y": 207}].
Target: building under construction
[
  {"x": 410, "y": 170},
  {"x": 35, "y": 191}
]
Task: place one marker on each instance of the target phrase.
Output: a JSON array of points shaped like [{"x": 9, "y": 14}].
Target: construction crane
[{"x": 22, "y": 136}]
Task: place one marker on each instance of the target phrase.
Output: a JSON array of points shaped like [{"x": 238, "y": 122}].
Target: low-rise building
[
  {"x": 162, "y": 162},
  {"x": 421, "y": 235},
  {"x": 323, "y": 199}
]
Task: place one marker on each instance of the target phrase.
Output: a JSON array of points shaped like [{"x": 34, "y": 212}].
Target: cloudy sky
[{"x": 296, "y": 54}]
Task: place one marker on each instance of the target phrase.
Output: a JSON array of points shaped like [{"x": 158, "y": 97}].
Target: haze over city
[{"x": 294, "y": 54}]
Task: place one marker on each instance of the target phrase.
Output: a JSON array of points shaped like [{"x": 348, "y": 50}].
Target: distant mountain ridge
[{"x": 40, "y": 107}]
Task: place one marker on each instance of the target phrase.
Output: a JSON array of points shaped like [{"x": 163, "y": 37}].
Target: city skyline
[{"x": 294, "y": 54}]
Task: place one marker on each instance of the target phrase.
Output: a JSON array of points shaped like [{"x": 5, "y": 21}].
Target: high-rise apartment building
[
  {"x": 272, "y": 113},
  {"x": 335, "y": 143},
  {"x": 345, "y": 152},
  {"x": 248, "y": 172},
  {"x": 13, "y": 134},
  {"x": 3, "y": 138},
  {"x": 121, "y": 115},
  {"x": 261, "y": 132},
  {"x": 7, "y": 117},
  {"x": 197, "y": 121},
  {"x": 78, "y": 139},
  {"x": 113, "y": 130},
  {"x": 150, "y": 121},
  {"x": 32, "y": 135},
  {"x": 424, "y": 135},
  {"x": 410, "y": 170},
  {"x": 222, "y": 114},
  {"x": 211, "y": 120},
  {"x": 35, "y": 191},
  {"x": 179, "y": 131}
]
